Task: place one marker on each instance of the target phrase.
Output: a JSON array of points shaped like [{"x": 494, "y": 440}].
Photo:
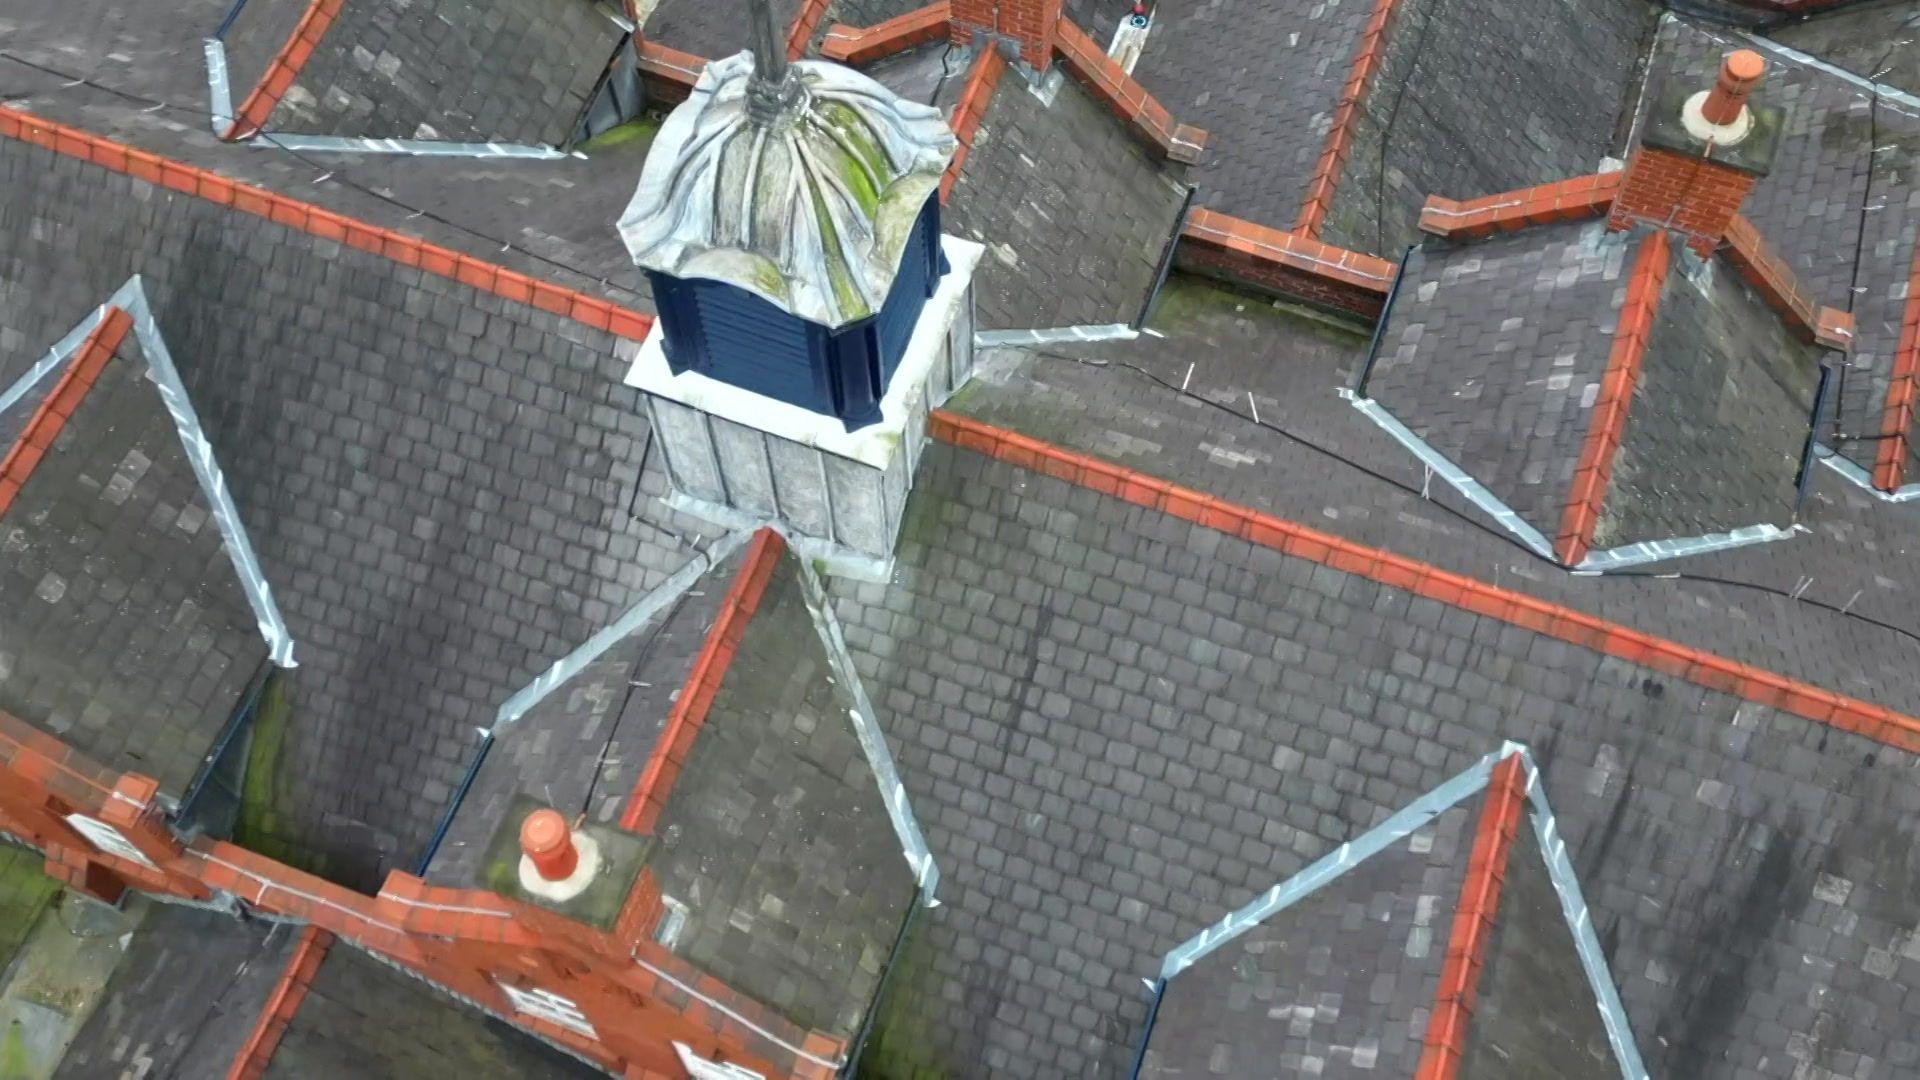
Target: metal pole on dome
[{"x": 773, "y": 87}]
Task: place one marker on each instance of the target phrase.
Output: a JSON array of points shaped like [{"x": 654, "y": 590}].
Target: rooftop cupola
[
  {"x": 810, "y": 310},
  {"x": 788, "y": 221}
]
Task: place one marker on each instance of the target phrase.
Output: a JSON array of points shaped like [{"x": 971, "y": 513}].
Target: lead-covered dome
[{"x": 808, "y": 204}]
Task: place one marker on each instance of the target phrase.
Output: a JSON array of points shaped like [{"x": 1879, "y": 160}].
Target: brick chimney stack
[
  {"x": 1029, "y": 24},
  {"x": 1699, "y": 156}
]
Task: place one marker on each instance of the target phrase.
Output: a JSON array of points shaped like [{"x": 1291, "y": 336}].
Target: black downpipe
[
  {"x": 852, "y": 1067},
  {"x": 1805, "y": 479},
  {"x": 226, "y": 24},
  {"x": 240, "y": 720},
  {"x": 1380, "y": 328},
  {"x": 1146, "y": 1033},
  {"x": 453, "y": 805},
  {"x": 1166, "y": 258}
]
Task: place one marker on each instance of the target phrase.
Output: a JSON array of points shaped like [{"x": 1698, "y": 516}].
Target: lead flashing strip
[
  {"x": 1652, "y": 551},
  {"x": 1055, "y": 335},
  {"x": 1881, "y": 90},
  {"x": 1474, "y": 916},
  {"x": 709, "y": 672},
  {"x": 1346, "y": 114},
  {"x": 81, "y": 364},
  {"x": 637, "y": 616},
  {"x": 1862, "y": 479},
  {"x": 276, "y": 1016},
  {"x": 1456, "y": 477},
  {"x": 1697, "y": 666},
  {"x": 1607, "y": 423},
  {"x": 873, "y": 743},
  {"x": 409, "y": 251},
  {"x": 221, "y": 107}
]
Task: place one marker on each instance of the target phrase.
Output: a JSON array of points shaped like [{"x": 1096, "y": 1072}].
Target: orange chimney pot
[
  {"x": 548, "y": 842},
  {"x": 1739, "y": 73}
]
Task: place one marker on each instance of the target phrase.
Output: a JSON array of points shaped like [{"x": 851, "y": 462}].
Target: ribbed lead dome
[{"x": 810, "y": 209}]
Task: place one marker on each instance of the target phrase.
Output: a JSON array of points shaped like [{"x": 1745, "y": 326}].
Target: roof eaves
[
  {"x": 1608, "y": 423},
  {"x": 409, "y": 251},
  {"x": 82, "y": 371},
  {"x": 1697, "y": 666}
]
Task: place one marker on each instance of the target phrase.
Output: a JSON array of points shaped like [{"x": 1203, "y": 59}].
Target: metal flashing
[
  {"x": 872, "y": 742},
  {"x": 993, "y": 339},
  {"x": 1472, "y": 490},
  {"x": 653, "y": 603},
  {"x": 1862, "y": 479},
  {"x": 1648, "y": 551}
]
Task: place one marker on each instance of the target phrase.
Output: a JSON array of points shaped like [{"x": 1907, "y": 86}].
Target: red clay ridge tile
[
  {"x": 1333, "y": 155},
  {"x": 1564, "y": 200},
  {"x": 669, "y": 74},
  {"x": 284, "y": 69},
  {"x": 1423, "y": 579},
  {"x": 325, "y": 224},
  {"x": 849, "y": 45},
  {"x": 1109, "y": 82},
  {"x": 805, "y": 22},
  {"x": 1759, "y": 267},
  {"x": 1289, "y": 249},
  {"x": 82, "y": 370},
  {"x": 277, "y": 1015},
  {"x": 1473, "y": 921},
  {"x": 1890, "y": 467},
  {"x": 1609, "y": 420},
  {"x": 689, "y": 713},
  {"x": 970, "y": 110}
]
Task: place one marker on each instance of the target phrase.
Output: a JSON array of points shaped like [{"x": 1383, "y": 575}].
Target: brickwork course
[{"x": 1168, "y": 619}]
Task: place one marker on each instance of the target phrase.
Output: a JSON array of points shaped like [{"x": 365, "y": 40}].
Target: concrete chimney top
[{"x": 1720, "y": 115}]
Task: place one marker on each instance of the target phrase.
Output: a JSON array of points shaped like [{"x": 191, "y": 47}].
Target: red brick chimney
[
  {"x": 1028, "y": 24},
  {"x": 1699, "y": 156}
]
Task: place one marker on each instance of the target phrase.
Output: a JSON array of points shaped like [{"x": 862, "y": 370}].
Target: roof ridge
[
  {"x": 82, "y": 371},
  {"x": 1368, "y": 55},
  {"x": 1607, "y": 425},
  {"x": 1698, "y": 666},
  {"x": 409, "y": 251}
]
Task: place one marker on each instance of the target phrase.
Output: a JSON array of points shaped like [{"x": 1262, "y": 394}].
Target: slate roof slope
[
  {"x": 582, "y": 747},
  {"x": 516, "y": 71},
  {"x": 553, "y": 219},
  {"x": 124, "y": 627},
  {"x": 1075, "y": 215},
  {"x": 183, "y": 999},
  {"x": 1115, "y": 725},
  {"x": 1475, "y": 97},
  {"x": 443, "y": 486},
  {"x": 1492, "y": 353},
  {"x": 775, "y": 835},
  {"x": 364, "y": 1018},
  {"x": 1876, "y": 39},
  {"x": 1720, "y": 415},
  {"x": 709, "y": 28},
  {"x": 1339, "y": 984},
  {"x": 1841, "y": 206}
]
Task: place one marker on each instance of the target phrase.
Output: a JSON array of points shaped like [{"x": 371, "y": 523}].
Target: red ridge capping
[
  {"x": 277, "y": 1015},
  {"x": 1284, "y": 262},
  {"x": 1563, "y": 200},
  {"x": 1774, "y": 280},
  {"x": 325, "y": 224},
  {"x": 1144, "y": 114},
  {"x": 805, "y": 22},
  {"x": 970, "y": 110},
  {"x": 1608, "y": 423},
  {"x": 670, "y": 74},
  {"x": 1473, "y": 921},
  {"x": 850, "y": 45},
  {"x": 283, "y": 70},
  {"x": 689, "y": 711},
  {"x": 1333, "y": 157},
  {"x": 1696, "y": 666},
  {"x": 82, "y": 370},
  {"x": 1890, "y": 468}
]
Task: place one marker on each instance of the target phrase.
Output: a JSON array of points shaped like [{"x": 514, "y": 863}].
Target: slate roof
[
  {"x": 182, "y": 999},
  {"x": 124, "y": 629},
  {"x": 440, "y": 483},
  {"x": 1075, "y": 215},
  {"x": 709, "y": 28},
  {"x": 457, "y": 70},
  {"x": 1338, "y": 984},
  {"x": 775, "y": 836},
  {"x": 363, "y": 1017}
]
